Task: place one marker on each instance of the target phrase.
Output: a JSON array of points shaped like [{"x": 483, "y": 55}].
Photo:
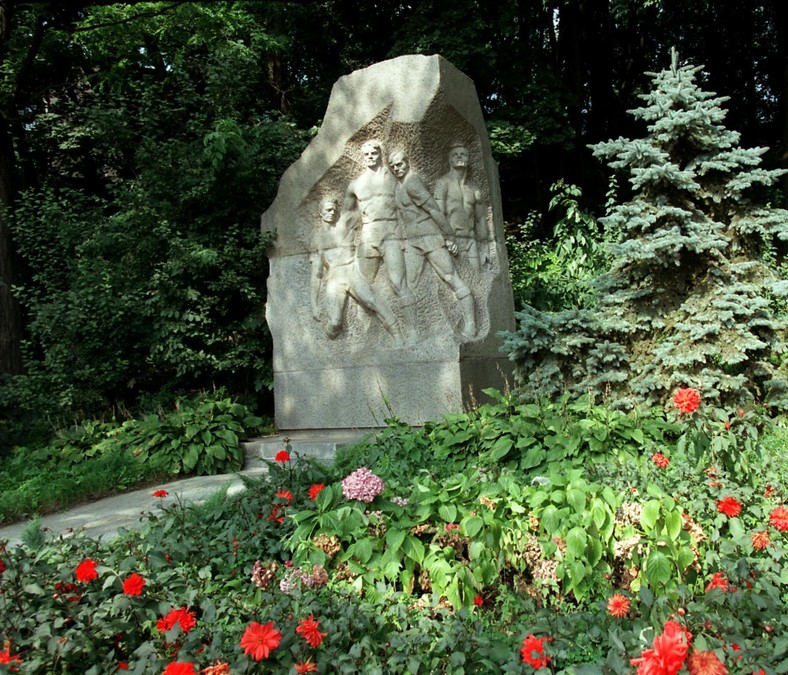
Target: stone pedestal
[{"x": 388, "y": 272}]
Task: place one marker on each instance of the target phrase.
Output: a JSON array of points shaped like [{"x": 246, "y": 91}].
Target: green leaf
[
  {"x": 648, "y": 518},
  {"x": 364, "y": 550},
  {"x": 448, "y": 512},
  {"x": 674, "y": 524},
  {"x": 472, "y": 525},
  {"x": 413, "y": 548},
  {"x": 550, "y": 519},
  {"x": 576, "y": 542},
  {"x": 658, "y": 568},
  {"x": 394, "y": 538},
  {"x": 501, "y": 448}
]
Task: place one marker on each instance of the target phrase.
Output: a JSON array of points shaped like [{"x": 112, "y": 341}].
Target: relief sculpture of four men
[{"x": 389, "y": 218}]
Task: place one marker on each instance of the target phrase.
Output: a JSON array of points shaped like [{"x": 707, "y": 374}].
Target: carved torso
[{"x": 374, "y": 192}]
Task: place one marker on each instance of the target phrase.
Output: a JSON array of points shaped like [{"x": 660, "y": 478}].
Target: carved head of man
[
  {"x": 328, "y": 210},
  {"x": 398, "y": 161},
  {"x": 458, "y": 157},
  {"x": 372, "y": 152}
]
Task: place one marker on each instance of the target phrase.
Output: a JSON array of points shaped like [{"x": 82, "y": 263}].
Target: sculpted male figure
[
  {"x": 372, "y": 195},
  {"x": 334, "y": 270},
  {"x": 426, "y": 230},
  {"x": 462, "y": 205}
]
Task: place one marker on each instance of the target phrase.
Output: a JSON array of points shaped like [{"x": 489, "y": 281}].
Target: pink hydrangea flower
[{"x": 362, "y": 485}]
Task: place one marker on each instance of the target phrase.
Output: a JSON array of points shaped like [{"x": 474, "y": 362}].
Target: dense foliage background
[{"x": 141, "y": 141}]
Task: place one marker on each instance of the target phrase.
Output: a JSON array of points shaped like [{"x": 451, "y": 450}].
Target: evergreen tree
[{"x": 689, "y": 299}]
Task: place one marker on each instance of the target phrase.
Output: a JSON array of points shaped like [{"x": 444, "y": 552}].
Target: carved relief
[
  {"x": 426, "y": 231},
  {"x": 391, "y": 225},
  {"x": 335, "y": 272},
  {"x": 461, "y": 202}
]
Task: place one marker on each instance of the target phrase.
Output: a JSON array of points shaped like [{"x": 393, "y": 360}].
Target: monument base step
[{"x": 319, "y": 444}]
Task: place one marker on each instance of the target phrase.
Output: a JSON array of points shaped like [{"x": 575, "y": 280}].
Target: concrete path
[{"x": 103, "y": 518}]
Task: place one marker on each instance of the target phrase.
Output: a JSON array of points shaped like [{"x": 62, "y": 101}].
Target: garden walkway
[{"x": 105, "y": 517}]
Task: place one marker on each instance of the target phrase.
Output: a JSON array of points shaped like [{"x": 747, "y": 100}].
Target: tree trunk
[{"x": 10, "y": 314}]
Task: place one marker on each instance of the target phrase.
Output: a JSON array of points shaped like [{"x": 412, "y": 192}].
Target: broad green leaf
[
  {"x": 648, "y": 518},
  {"x": 448, "y": 512},
  {"x": 576, "y": 542},
  {"x": 472, "y": 525},
  {"x": 658, "y": 568}
]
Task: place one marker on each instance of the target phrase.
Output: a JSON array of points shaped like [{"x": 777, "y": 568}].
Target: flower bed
[{"x": 423, "y": 553}]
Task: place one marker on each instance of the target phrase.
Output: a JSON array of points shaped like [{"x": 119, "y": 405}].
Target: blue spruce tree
[{"x": 689, "y": 300}]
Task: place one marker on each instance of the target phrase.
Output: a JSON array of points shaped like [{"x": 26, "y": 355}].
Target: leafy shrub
[
  {"x": 448, "y": 569},
  {"x": 201, "y": 436}
]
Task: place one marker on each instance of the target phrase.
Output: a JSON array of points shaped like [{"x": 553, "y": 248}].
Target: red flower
[
  {"x": 534, "y": 645},
  {"x": 705, "y": 663},
  {"x": 668, "y": 655},
  {"x": 730, "y": 506},
  {"x": 160, "y": 493},
  {"x": 660, "y": 460},
  {"x": 221, "y": 668},
  {"x": 686, "y": 400},
  {"x": 133, "y": 584},
  {"x": 86, "y": 571},
  {"x": 719, "y": 580},
  {"x": 182, "y": 616},
  {"x": 309, "y": 629},
  {"x": 5, "y": 657},
  {"x": 274, "y": 516},
  {"x": 314, "y": 491},
  {"x": 618, "y": 606},
  {"x": 478, "y": 601},
  {"x": 179, "y": 668},
  {"x": 285, "y": 494},
  {"x": 760, "y": 540},
  {"x": 122, "y": 666},
  {"x": 452, "y": 526},
  {"x": 282, "y": 456},
  {"x": 259, "y": 641},
  {"x": 305, "y": 667},
  {"x": 779, "y": 518}
]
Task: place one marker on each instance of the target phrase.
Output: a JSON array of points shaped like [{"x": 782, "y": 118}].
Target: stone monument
[{"x": 388, "y": 272}]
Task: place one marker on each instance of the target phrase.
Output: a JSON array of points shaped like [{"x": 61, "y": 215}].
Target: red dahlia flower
[
  {"x": 305, "y": 667},
  {"x": 618, "y": 606},
  {"x": 86, "y": 571},
  {"x": 314, "y": 491},
  {"x": 282, "y": 456},
  {"x": 285, "y": 494},
  {"x": 760, "y": 540},
  {"x": 686, "y": 400},
  {"x": 719, "y": 580},
  {"x": 669, "y": 652},
  {"x": 660, "y": 460},
  {"x": 534, "y": 645},
  {"x": 182, "y": 616},
  {"x": 259, "y": 640},
  {"x": 478, "y": 601},
  {"x": 133, "y": 584},
  {"x": 779, "y": 518},
  {"x": 179, "y": 668},
  {"x": 160, "y": 493},
  {"x": 309, "y": 629},
  {"x": 6, "y": 658},
  {"x": 705, "y": 663},
  {"x": 730, "y": 506}
]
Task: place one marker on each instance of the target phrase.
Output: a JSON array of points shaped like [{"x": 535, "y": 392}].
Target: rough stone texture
[{"x": 364, "y": 374}]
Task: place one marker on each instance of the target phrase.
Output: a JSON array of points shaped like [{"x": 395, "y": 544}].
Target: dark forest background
[{"x": 140, "y": 142}]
